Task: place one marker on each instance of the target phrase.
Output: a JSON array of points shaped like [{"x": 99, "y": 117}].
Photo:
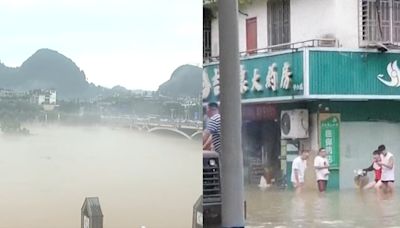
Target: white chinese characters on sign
[
  {"x": 243, "y": 82},
  {"x": 286, "y": 80},
  {"x": 256, "y": 81},
  {"x": 329, "y": 144},
  {"x": 394, "y": 74},
  {"x": 215, "y": 81},
  {"x": 299, "y": 87},
  {"x": 272, "y": 77},
  {"x": 211, "y": 85},
  {"x": 206, "y": 85},
  {"x": 328, "y": 133}
]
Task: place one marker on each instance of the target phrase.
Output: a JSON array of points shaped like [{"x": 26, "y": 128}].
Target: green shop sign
[
  {"x": 312, "y": 73},
  {"x": 267, "y": 76},
  {"x": 354, "y": 73},
  {"x": 329, "y": 137}
]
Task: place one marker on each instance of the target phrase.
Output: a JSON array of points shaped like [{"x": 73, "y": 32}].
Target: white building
[
  {"x": 339, "y": 61},
  {"x": 42, "y": 96},
  {"x": 264, "y": 23}
]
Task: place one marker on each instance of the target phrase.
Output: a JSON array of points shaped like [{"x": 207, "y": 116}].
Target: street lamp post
[{"x": 231, "y": 119}]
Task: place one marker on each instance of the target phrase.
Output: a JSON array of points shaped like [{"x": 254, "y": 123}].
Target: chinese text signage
[
  {"x": 261, "y": 77},
  {"x": 354, "y": 73},
  {"x": 329, "y": 137}
]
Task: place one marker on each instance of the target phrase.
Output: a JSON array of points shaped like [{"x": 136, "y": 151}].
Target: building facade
[
  {"x": 42, "y": 97},
  {"x": 314, "y": 74}
]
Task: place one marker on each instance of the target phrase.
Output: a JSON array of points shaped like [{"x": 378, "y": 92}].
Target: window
[
  {"x": 251, "y": 34},
  {"x": 206, "y": 33},
  {"x": 278, "y": 21},
  {"x": 380, "y": 21}
]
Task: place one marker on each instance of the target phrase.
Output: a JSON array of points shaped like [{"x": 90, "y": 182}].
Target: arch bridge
[{"x": 187, "y": 129}]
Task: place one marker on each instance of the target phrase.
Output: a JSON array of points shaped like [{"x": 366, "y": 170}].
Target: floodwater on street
[
  {"x": 141, "y": 179},
  {"x": 348, "y": 208}
]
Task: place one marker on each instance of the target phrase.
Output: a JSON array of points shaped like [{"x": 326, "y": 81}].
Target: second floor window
[
  {"x": 278, "y": 21},
  {"x": 379, "y": 21}
]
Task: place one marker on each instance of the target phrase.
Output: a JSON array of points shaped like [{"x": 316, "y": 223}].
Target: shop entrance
[{"x": 261, "y": 142}]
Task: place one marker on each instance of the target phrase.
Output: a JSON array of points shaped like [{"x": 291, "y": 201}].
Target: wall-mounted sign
[
  {"x": 260, "y": 77},
  {"x": 206, "y": 85},
  {"x": 243, "y": 80},
  {"x": 257, "y": 86},
  {"x": 215, "y": 82},
  {"x": 286, "y": 82},
  {"x": 394, "y": 75},
  {"x": 354, "y": 73},
  {"x": 329, "y": 131},
  {"x": 272, "y": 77}
]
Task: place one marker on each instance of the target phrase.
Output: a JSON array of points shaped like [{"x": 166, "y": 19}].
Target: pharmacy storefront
[{"x": 345, "y": 101}]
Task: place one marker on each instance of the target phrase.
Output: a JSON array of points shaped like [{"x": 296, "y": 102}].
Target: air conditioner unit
[{"x": 294, "y": 124}]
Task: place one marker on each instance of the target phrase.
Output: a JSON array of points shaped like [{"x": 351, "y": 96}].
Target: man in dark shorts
[{"x": 387, "y": 163}]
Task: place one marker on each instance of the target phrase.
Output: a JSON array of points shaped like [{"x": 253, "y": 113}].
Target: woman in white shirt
[{"x": 321, "y": 165}]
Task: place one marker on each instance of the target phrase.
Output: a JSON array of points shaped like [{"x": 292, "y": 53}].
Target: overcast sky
[{"x": 133, "y": 43}]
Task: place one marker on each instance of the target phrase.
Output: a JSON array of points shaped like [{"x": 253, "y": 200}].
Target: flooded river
[
  {"x": 334, "y": 209},
  {"x": 140, "y": 179}
]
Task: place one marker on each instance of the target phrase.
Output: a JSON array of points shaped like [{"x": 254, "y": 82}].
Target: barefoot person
[
  {"x": 387, "y": 163},
  {"x": 376, "y": 158},
  {"x": 321, "y": 165},
  {"x": 299, "y": 166}
]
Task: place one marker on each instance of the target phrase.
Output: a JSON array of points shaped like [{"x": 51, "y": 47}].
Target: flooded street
[
  {"x": 334, "y": 209},
  {"x": 140, "y": 179}
]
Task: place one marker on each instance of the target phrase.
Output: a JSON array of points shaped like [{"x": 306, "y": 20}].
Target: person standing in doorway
[
  {"x": 213, "y": 128},
  {"x": 299, "y": 166},
  {"x": 321, "y": 165},
  {"x": 387, "y": 163}
]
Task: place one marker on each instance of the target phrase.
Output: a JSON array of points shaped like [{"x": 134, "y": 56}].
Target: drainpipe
[{"x": 231, "y": 119}]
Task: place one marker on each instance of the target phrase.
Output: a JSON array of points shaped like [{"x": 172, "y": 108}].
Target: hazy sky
[{"x": 134, "y": 43}]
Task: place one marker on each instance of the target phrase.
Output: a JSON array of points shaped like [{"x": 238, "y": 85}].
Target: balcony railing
[
  {"x": 241, "y": 2},
  {"x": 282, "y": 47}
]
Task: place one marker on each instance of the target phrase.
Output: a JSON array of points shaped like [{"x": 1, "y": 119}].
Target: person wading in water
[{"x": 321, "y": 165}]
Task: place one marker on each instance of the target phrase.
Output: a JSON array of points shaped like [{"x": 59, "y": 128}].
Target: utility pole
[{"x": 231, "y": 117}]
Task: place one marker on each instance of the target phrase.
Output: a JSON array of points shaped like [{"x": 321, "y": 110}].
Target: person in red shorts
[{"x": 377, "y": 170}]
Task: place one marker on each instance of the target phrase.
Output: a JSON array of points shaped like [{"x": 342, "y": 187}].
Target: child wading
[{"x": 376, "y": 168}]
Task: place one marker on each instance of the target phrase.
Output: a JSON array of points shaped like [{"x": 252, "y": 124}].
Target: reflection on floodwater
[{"x": 348, "y": 208}]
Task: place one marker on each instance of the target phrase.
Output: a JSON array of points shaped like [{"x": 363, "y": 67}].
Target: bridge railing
[
  {"x": 156, "y": 122},
  {"x": 175, "y": 124}
]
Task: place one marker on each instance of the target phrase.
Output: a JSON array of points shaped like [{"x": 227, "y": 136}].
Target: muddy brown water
[
  {"x": 141, "y": 179},
  {"x": 347, "y": 208}
]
